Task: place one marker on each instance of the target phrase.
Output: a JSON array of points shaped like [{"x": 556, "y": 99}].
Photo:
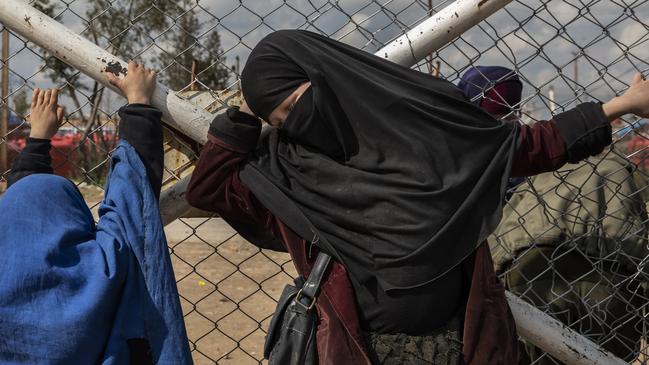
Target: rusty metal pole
[
  {"x": 438, "y": 67},
  {"x": 4, "y": 119},
  {"x": 575, "y": 63},
  {"x": 193, "y": 86},
  {"x": 430, "y": 56},
  {"x": 237, "y": 70}
]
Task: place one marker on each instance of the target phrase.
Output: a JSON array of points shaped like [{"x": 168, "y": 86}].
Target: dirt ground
[{"x": 228, "y": 289}]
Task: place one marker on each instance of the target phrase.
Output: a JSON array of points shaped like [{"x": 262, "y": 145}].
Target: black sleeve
[
  {"x": 237, "y": 129},
  {"x": 585, "y": 129},
  {"x": 140, "y": 126},
  {"x": 33, "y": 159}
]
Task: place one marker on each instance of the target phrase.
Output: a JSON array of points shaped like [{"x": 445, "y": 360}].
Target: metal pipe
[
  {"x": 555, "y": 337},
  {"x": 194, "y": 86},
  {"x": 433, "y": 33},
  {"x": 438, "y": 68},
  {"x": 430, "y": 55},
  {"x": 173, "y": 204}
]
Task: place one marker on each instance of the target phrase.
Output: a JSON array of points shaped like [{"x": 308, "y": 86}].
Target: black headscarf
[{"x": 399, "y": 176}]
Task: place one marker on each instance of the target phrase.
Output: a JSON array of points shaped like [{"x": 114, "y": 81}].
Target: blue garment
[{"x": 75, "y": 293}]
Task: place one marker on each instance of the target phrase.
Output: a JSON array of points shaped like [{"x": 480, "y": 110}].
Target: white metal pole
[
  {"x": 433, "y": 33},
  {"x": 555, "y": 337},
  {"x": 94, "y": 61},
  {"x": 173, "y": 204}
]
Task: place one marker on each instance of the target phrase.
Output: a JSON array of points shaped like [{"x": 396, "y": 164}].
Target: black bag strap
[
  {"x": 311, "y": 287},
  {"x": 272, "y": 197}
]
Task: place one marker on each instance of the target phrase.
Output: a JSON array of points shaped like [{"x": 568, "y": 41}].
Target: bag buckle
[{"x": 299, "y": 296}]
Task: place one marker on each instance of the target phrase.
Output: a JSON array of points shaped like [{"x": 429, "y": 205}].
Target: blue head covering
[{"x": 75, "y": 293}]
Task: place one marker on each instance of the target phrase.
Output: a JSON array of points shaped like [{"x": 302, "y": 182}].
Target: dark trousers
[
  {"x": 442, "y": 347},
  {"x": 594, "y": 298}
]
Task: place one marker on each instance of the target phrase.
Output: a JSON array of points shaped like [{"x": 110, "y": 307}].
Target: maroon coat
[{"x": 489, "y": 331}]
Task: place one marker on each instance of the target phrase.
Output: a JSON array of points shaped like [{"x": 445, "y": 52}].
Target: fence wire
[{"x": 572, "y": 242}]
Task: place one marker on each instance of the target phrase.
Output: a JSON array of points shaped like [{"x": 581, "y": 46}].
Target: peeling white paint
[
  {"x": 555, "y": 337},
  {"x": 173, "y": 204},
  {"x": 435, "y": 32}
]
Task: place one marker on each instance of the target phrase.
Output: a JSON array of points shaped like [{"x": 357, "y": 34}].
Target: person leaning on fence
[
  {"x": 571, "y": 240},
  {"x": 402, "y": 180},
  {"x": 76, "y": 292}
]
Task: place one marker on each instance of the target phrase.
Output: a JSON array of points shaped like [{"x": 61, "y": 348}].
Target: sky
[{"x": 540, "y": 39}]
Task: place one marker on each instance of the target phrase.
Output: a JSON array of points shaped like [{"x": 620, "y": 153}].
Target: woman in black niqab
[{"x": 399, "y": 175}]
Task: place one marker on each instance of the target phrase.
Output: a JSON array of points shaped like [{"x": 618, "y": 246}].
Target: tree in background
[
  {"x": 188, "y": 45},
  {"x": 127, "y": 28},
  {"x": 44, "y": 6}
]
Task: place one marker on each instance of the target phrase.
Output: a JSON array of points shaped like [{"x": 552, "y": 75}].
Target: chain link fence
[{"x": 572, "y": 242}]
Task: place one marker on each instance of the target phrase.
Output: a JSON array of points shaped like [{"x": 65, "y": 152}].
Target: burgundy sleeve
[
  {"x": 215, "y": 185},
  {"x": 571, "y": 136},
  {"x": 540, "y": 149}
]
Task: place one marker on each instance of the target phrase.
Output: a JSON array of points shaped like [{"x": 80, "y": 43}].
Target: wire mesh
[{"x": 572, "y": 242}]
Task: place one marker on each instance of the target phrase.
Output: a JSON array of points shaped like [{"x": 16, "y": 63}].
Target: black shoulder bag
[{"x": 291, "y": 338}]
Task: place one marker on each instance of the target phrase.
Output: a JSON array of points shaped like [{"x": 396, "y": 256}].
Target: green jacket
[{"x": 594, "y": 206}]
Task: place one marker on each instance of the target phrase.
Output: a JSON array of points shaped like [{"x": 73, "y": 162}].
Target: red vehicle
[{"x": 70, "y": 148}]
